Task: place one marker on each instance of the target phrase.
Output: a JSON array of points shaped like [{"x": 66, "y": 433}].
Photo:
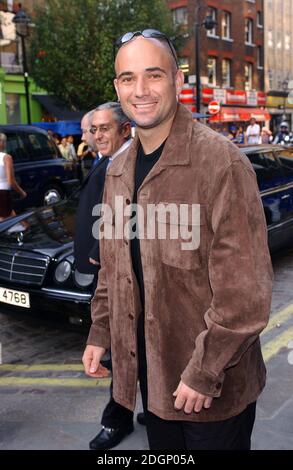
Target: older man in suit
[{"x": 108, "y": 132}]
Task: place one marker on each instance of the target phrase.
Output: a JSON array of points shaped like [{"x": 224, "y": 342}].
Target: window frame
[
  {"x": 227, "y": 15},
  {"x": 249, "y": 32},
  {"x": 214, "y": 83}
]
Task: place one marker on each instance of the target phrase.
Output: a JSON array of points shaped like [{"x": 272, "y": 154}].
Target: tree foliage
[{"x": 72, "y": 46}]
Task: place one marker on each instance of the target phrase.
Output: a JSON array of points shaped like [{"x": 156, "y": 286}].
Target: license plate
[{"x": 14, "y": 297}]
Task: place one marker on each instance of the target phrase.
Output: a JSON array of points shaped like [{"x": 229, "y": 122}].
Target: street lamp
[
  {"x": 209, "y": 23},
  {"x": 22, "y": 22}
]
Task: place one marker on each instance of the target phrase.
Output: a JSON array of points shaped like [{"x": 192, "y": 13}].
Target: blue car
[
  {"x": 39, "y": 167},
  {"x": 273, "y": 166}
]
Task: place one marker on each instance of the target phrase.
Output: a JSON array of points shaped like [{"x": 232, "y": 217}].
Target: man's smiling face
[
  {"x": 108, "y": 136},
  {"x": 147, "y": 82}
]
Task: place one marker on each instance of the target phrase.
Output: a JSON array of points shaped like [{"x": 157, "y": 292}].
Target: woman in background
[{"x": 7, "y": 181}]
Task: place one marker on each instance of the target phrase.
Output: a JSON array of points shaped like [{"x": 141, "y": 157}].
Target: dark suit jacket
[{"x": 91, "y": 193}]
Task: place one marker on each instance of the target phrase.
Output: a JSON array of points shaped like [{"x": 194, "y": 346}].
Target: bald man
[{"x": 182, "y": 311}]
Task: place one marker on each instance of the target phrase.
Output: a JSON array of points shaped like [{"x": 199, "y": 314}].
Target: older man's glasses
[
  {"x": 147, "y": 33},
  {"x": 101, "y": 129}
]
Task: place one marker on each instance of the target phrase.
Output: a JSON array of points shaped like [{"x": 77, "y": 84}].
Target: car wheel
[{"x": 52, "y": 194}]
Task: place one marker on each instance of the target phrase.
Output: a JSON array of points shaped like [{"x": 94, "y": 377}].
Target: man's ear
[
  {"x": 179, "y": 81},
  {"x": 116, "y": 88},
  {"x": 126, "y": 130}
]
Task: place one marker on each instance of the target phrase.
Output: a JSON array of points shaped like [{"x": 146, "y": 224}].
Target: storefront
[
  {"x": 13, "y": 101},
  {"x": 237, "y": 106}
]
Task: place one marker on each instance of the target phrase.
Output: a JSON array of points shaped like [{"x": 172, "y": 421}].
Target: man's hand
[
  {"x": 91, "y": 361},
  {"x": 93, "y": 261},
  {"x": 190, "y": 399}
]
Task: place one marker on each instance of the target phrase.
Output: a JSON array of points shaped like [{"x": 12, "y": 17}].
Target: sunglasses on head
[{"x": 147, "y": 33}]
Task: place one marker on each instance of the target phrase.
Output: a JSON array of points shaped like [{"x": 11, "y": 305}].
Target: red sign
[
  {"x": 236, "y": 97},
  {"x": 214, "y": 107}
]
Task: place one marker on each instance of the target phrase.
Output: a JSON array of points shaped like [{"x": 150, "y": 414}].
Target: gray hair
[
  {"x": 88, "y": 116},
  {"x": 119, "y": 115},
  {"x": 3, "y": 138}
]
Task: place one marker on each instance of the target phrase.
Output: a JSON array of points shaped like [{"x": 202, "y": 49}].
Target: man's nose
[
  {"x": 141, "y": 88},
  {"x": 98, "y": 134}
]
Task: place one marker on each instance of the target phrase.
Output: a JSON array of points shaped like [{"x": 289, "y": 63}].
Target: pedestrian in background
[
  {"x": 70, "y": 142},
  {"x": 252, "y": 134},
  {"x": 7, "y": 181},
  {"x": 66, "y": 150},
  {"x": 85, "y": 151},
  {"x": 266, "y": 135}
]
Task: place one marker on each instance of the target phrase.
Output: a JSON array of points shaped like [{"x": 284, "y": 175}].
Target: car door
[
  {"x": 285, "y": 157},
  {"x": 274, "y": 193}
]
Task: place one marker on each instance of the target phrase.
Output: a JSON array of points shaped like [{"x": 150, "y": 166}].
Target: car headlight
[
  {"x": 63, "y": 271},
  {"x": 83, "y": 280}
]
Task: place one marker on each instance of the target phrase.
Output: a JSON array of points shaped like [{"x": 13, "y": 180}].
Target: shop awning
[
  {"x": 61, "y": 127},
  {"x": 240, "y": 114},
  {"x": 57, "y": 109}
]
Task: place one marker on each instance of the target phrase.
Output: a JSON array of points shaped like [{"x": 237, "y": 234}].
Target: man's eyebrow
[
  {"x": 149, "y": 69},
  {"x": 156, "y": 69},
  {"x": 101, "y": 125},
  {"x": 122, "y": 74}
]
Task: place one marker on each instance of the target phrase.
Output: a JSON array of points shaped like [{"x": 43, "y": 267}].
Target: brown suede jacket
[{"x": 205, "y": 307}]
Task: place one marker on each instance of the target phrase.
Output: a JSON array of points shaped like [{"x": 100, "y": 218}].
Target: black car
[
  {"x": 36, "y": 250},
  {"x": 39, "y": 167}
]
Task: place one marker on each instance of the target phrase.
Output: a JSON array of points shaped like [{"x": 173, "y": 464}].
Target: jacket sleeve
[
  {"x": 240, "y": 276},
  {"x": 94, "y": 252},
  {"x": 99, "y": 334}
]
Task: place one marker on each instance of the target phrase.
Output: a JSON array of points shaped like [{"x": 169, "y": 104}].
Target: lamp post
[
  {"x": 22, "y": 22},
  {"x": 209, "y": 23}
]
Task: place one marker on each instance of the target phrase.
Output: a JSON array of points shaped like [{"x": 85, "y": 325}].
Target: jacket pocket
[{"x": 180, "y": 235}]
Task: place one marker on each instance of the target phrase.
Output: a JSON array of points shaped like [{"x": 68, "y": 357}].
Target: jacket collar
[
  {"x": 175, "y": 152},
  {"x": 93, "y": 170}
]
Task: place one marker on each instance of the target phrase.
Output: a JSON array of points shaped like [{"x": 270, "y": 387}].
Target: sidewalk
[{"x": 68, "y": 418}]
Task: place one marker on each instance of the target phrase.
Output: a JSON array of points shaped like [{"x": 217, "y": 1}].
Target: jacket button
[
  {"x": 132, "y": 353},
  {"x": 218, "y": 386},
  {"x": 131, "y": 316},
  {"x": 128, "y": 201}
]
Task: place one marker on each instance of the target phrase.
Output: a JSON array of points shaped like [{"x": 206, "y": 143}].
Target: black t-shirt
[{"x": 144, "y": 164}]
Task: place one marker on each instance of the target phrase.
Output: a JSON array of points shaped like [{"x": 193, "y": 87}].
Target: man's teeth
[{"x": 144, "y": 105}]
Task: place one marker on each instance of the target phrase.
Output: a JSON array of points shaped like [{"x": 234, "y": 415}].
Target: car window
[
  {"x": 267, "y": 169},
  {"x": 286, "y": 158},
  {"x": 42, "y": 148},
  {"x": 16, "y": 147}
]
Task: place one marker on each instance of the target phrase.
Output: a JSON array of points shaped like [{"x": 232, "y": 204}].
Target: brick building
[{"x": 231, "y": 54}]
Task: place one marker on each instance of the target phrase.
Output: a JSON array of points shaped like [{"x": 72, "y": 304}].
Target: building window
[
  {"x": 270, "y": 38},
  {"x": 287, "y": 42},
  {"x": 212, "y": 12},
  {"x": 249, "y": 31},
  {"x": 259, "y": 57},
  {"x": 248, "y": 71},
  {"x": 226, "y": 73},
  {"x": 180, "y": 16},
  {"x": 259, "y": 19},
  {"x": 212, "y": 71},
  {"x": 226, "y": 25}
]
